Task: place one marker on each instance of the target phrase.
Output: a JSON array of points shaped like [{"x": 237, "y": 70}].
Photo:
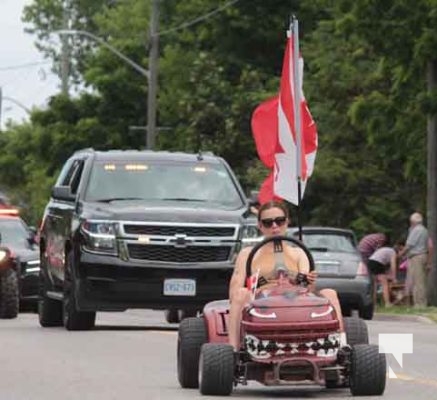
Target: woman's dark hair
[{"x": 273, "y": 204}]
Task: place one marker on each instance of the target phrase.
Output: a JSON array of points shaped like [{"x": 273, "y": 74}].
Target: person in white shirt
[{"x": 382, "y": 266}]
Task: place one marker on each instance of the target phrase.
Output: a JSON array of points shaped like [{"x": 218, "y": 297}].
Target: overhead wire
[
  {"x": 198, "y": 19},
  {"x": 26, "y": 65}
]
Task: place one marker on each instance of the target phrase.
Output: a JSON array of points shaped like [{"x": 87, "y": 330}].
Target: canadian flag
[
  {"x": 252, "y": 282},
  {"x": 274, "y": 131}
]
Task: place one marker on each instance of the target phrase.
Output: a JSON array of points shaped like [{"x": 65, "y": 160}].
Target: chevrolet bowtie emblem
[{"x": 180, "y": 240}]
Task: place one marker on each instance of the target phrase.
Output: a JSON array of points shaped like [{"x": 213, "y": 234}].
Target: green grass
[{"x": 429, "y": 312}]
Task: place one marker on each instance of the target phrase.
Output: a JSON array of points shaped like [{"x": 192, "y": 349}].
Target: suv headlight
[
  {"x": 250, "y": 235},
  {"x": 99, "y": 237}
]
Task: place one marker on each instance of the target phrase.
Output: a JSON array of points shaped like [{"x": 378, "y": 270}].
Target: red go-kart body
[{"x": 289, "y": 336}]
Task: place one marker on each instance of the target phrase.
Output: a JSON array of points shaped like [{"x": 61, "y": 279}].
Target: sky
[{"x": 28, "y": 85}]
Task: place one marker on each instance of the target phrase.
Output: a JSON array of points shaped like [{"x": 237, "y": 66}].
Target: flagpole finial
[{"x": 293, "y": 21}]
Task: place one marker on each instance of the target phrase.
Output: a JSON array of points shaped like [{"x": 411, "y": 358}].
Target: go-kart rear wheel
[
  {"x": 216, "y": 369},
  {"x": 368, "y": 371},
  {"x": 356, "y": 331},
  {"x": 191, "y": 337}
]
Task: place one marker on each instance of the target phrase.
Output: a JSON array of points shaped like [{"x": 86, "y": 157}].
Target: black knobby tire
[
  {"x": 356, "y": 331},
  {"x": 74, "y": 320},
  {"x": 366, "y": 312},
  {"x": 49, "y": 310},
  {"x": 172, "y": 316},
  {"x": 367, "y": 371},
  {"x": 191, "y": 337},
  {"x": 9, "y": 294},
  {"x": 216, "y": 369}
]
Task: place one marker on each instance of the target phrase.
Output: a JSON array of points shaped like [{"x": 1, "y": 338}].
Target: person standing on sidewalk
[{"x": 416, "y": 249}]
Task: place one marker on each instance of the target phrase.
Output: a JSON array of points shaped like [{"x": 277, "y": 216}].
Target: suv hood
[{"x": 128, "y": 211}]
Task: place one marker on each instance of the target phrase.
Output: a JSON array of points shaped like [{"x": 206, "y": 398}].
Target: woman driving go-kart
[
  {"x": 273, "y": 220},
  {"x": 275, "y": 328}
]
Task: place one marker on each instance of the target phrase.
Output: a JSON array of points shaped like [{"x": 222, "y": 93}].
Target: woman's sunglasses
[{"x": 268, "y": 222}]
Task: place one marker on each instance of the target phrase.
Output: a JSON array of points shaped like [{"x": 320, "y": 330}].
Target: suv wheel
[
  {"x": 49, "y": 310},
  {"x": 366, "y": 312},
  {"x": 9, "y": 298},
  {"x": 172, "y": 316},
  {"x": 74, "y": 320}
]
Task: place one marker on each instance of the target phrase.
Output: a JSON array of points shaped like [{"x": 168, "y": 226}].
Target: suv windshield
[{"x": 159, "y": 181}]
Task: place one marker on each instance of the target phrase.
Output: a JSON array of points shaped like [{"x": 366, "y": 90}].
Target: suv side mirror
[{"x": 63, "y": 193}]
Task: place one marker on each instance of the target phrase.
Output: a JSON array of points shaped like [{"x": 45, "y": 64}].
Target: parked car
[
  {"x": 339, "y": 266},
  {"x": 139, "y": 229},
  {"x": 17, "y": 236}
]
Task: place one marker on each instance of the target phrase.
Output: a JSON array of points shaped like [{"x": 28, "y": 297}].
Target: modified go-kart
[{"x": 289, "y": 336}]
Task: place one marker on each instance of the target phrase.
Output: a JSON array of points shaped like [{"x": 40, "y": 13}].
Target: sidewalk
[
  {"x": 381, "y": 316},
  {"x": 406, "y": 313}
]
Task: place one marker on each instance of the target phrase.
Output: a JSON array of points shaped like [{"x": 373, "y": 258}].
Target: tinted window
[
  {"x": 65, "y": 174},
  {"x": 197, "y": 182}
]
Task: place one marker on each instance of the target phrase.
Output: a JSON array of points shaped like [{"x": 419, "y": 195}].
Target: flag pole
[{"x": 294, "y": 28}]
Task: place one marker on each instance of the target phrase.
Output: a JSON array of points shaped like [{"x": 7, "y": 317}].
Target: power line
[
  {"x": 27, "y": 65},
  {"x": 199, "y": 19}
]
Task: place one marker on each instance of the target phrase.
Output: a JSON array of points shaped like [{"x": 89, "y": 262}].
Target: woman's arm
[
  {"x": 239, "y": 274},
  {"x": 304, "y": 268}
]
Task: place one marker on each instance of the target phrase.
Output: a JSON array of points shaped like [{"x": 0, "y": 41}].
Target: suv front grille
[
  {"x": 193, "y": 231},
  {"x": 179, "y": 254}
]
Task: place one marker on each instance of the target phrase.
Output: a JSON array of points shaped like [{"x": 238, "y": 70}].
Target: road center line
[{"x": 421, "y": 381}]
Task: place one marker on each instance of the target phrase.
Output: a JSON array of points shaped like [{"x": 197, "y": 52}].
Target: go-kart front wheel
[
  {"x": 216, "y": 369},
  {"x": 191, "y": 336},
  {"x": 368, "y": 370}
]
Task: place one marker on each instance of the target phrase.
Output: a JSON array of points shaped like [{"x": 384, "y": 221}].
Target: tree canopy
[{"x": 364, "y": 81}]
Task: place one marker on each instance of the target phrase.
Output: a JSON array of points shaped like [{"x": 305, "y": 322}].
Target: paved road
[{"x": 131, "y": 355}]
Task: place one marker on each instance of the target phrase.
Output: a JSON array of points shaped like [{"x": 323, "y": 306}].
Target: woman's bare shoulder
[
  {"x": 294, "y": 249},
  {"x": 246, "y": 251}
]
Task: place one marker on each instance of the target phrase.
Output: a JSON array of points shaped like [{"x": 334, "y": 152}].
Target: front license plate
[{"x": 179, "y": 287}]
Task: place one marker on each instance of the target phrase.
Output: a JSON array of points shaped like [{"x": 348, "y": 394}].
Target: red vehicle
[{"x": 289, "y": 336}]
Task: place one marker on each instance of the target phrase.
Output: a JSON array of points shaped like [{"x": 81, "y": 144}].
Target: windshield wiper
[
  {"x": 119, "y": 199},
  {"x": 182, "y": 199}
]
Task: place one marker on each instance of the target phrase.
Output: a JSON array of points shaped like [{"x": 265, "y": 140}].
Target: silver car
[{"x": 339, "y": 266}]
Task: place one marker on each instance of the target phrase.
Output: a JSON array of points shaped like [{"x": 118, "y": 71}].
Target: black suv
[{"x": 139, "y": 229}]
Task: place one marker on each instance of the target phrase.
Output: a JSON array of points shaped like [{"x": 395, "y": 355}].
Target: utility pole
[
  {"x": 432, "y": 182},
  {"x": 65, "y": 56},
  {"x": 153, "y": 77}
]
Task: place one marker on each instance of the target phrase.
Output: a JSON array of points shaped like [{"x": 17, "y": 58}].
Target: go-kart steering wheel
[{"x": 277, "y": 242}]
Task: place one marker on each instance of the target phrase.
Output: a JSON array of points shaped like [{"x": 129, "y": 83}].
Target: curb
[{"x": 402, "y": 317}]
